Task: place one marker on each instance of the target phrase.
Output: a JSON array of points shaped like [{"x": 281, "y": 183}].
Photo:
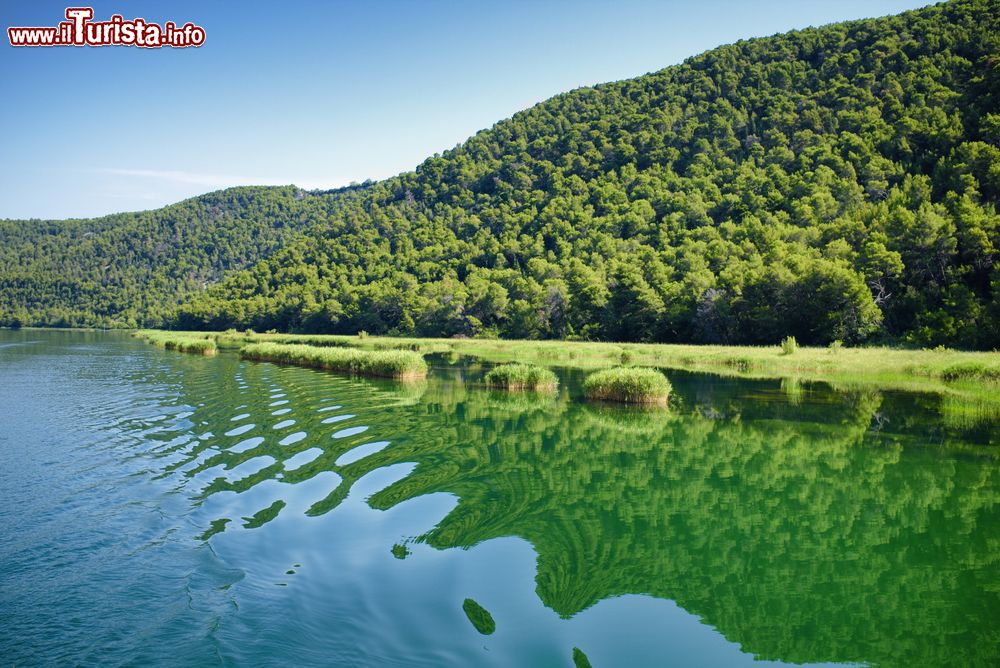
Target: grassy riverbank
[
  {"x": 401, "y": 364},
  {"x": 890, "y": 364},
  {"x": 956, "y": 374}
]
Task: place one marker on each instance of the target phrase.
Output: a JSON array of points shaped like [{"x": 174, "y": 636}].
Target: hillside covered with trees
[
  {"x": 832, "y": 183},
  {"x": 132, "y": 269}
]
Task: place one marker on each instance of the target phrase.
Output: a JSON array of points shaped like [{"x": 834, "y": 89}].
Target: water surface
[{"x": 161, "y": 508}]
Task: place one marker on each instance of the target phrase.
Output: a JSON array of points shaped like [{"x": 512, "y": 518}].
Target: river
[{"x": 167, "y": 509}]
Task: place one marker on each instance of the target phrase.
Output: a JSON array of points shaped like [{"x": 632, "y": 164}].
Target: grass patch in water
[
  {"x": 969, "y": 414},
  {"x": 401, "y": 364},
  {"x": 631, "y": 385},
  {"x": 196, "y": 346},
  {"x": 521, "y": 377},
  {"x": 181, "y": 342}
]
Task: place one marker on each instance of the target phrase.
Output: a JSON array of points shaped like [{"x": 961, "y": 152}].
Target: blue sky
[{"x": 321, "y": 94}]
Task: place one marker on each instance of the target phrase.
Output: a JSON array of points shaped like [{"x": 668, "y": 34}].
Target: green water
[{"x": 160, "y": 508}]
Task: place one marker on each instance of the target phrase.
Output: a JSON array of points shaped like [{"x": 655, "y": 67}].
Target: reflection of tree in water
[
  {"x": 797, "y": 530},
  {"x": 802, "y": 541}
]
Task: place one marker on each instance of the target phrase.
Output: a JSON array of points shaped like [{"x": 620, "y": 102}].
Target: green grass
[
  {"x": 630, "y": 385},
  {"x": 521, "y": 377},
  {"x": 402, "y": 364},
  {"x": 941, "y": 371},
  {"x": 197, "y": 346},
  {"x": 972, "y": 371},
  {"x": 969, "y": 414},
  {"x": 808, "y": 363},
  {"x": 180, "y": 341}
]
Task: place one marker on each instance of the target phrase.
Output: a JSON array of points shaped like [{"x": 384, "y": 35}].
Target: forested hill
[
  {"x": 830, "y": 183},
  {"x": 132, "y": 269}
]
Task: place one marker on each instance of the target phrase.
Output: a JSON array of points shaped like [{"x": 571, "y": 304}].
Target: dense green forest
[
  {"x": 132, "y": 269},
  {"x": 831, "y": 183}
]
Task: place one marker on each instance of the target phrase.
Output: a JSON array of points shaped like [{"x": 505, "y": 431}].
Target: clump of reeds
[
  {"x": 972, "y": 370},
  {"x": 633, "y": 385},
  {"x": 196, "y": 346},
  {"x": 184, "y": 343},
  {"x": 521, "y": 377},
  {"x": 402, "y": 364}
]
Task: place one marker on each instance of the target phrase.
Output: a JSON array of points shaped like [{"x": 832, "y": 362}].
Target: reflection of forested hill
[
  {"x": 832, "y": 527},
  {"x": 801, "y": 541}
]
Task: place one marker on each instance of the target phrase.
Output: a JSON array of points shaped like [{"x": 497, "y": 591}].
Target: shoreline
[{"x": 958, "y": 374}]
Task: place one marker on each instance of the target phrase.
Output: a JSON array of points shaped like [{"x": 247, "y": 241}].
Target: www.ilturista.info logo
[{"x": 80, "y": 30}]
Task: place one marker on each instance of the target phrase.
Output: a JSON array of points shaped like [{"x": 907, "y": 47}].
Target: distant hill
[
  {"x": 133, "y": 269},
  {"x": 831, "y": 183}
]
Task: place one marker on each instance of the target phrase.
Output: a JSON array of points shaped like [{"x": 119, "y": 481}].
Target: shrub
[
  {"x": 628, "y": 385},
  {"x": 402, "y": 364},
  {"x": 973, "y": 370},
  {"x": 789, "y": 345},
  {"x": 835, "y": 346},
  {"x": 521, "y": 377}
]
